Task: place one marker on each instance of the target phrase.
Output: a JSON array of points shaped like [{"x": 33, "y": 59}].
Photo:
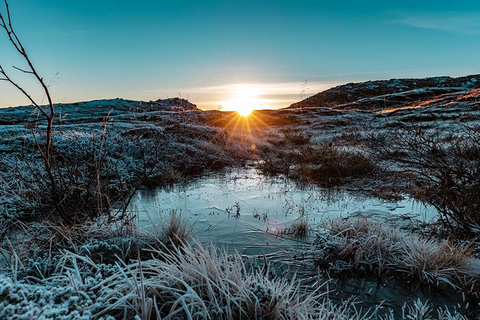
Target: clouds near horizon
[{"x": 456, "y": 22}]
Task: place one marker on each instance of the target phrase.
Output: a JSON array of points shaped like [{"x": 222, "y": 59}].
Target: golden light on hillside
[{"x": 244, "y": 100}]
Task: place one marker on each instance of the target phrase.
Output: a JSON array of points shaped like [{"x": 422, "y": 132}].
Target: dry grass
[
  {"x": 34, "y": 249},
  {"x": 375, "y": 247},
  {"x": 422, "y": 311},
  {"x": 188, "y": 282},
  {"x": 176, "y": 231},
  {"x": 298, "y": 227},
  {"x": 323, "y": 164},
  {"x": 199, "y": 283}
]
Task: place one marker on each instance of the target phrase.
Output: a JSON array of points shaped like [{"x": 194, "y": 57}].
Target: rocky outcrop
[
  {"x": 96, "y": 110},
  {"x": 388, "y": 94}
]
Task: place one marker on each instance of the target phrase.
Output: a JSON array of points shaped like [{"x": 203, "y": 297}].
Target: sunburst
[{"x": 244, "y": 100}]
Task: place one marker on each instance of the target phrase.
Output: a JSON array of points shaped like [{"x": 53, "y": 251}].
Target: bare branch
[
  {"x": 48, "y": 112},
  {"x": 19, "y": 47},
  {"x": 8, "y": 13},
  {"x": 24, "y": 71},
  {"x": 25, "y": 93},
  {"x": 10, "y": 32}
]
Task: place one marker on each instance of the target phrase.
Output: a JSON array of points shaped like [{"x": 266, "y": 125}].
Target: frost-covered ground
[{"x": 105, "y": 265}]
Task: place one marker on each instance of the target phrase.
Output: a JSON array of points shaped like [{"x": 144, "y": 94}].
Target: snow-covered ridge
[
  {"x": 95, "y": 110},
  {"x": 389, "y": 94}
]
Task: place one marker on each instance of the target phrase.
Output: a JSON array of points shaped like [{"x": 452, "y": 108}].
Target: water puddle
[{"x": 244, "y": 210}]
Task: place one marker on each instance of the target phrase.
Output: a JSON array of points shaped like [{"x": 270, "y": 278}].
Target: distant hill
[
  {"x": 389, "y": 94},
  {"x": 93, "y": 111}
]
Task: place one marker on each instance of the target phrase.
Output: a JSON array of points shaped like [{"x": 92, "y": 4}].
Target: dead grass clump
[
  {"x": 275, "y": 161},
  {"x": 298, "y": 228},
  {"x": 371, "y": 246},
  {"x": 439, "y": 261},
  {"x": 330, "y": 166},
  {"x": 295, "y": 137},
  {"x": 200, "y": 283},
  {"x": 175, "y": 232},
  {"x": 389, "y": 193},
  {"x": 323, "y": 164}
]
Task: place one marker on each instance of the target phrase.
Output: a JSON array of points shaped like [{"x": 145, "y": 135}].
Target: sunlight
[{"x": 244, "y": 100}]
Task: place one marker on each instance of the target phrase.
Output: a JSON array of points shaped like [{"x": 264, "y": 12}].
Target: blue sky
[{"x": 202, "y": 50}]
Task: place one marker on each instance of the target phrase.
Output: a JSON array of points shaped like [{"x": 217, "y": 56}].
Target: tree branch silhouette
[{"x": 48, "y": 110}]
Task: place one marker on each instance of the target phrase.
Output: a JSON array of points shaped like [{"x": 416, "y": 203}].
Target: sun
[{"x": 244, "y": 100}]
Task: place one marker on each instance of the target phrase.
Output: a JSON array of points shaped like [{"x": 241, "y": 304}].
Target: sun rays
[{"x": 248, "y": 126}]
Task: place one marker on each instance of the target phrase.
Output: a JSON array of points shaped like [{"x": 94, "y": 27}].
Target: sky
[{"x": 206, "y": 51}]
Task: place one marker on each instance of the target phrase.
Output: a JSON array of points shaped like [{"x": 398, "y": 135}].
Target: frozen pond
[
  {"x": 247, "y": 211},
  {"x": 269, "y": 205}
]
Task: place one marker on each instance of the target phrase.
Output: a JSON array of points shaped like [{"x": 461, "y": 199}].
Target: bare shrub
[
  {"x": 45, "y": 150},
  {"x": 445, "y": 168}
]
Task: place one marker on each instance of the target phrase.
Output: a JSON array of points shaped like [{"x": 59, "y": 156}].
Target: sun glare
[{"x": 244, "y": 100}]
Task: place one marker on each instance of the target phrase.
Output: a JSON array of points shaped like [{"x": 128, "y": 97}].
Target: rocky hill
[
  {"x": 93, "y": 111},
  {"x": 390, "y": 94}
]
